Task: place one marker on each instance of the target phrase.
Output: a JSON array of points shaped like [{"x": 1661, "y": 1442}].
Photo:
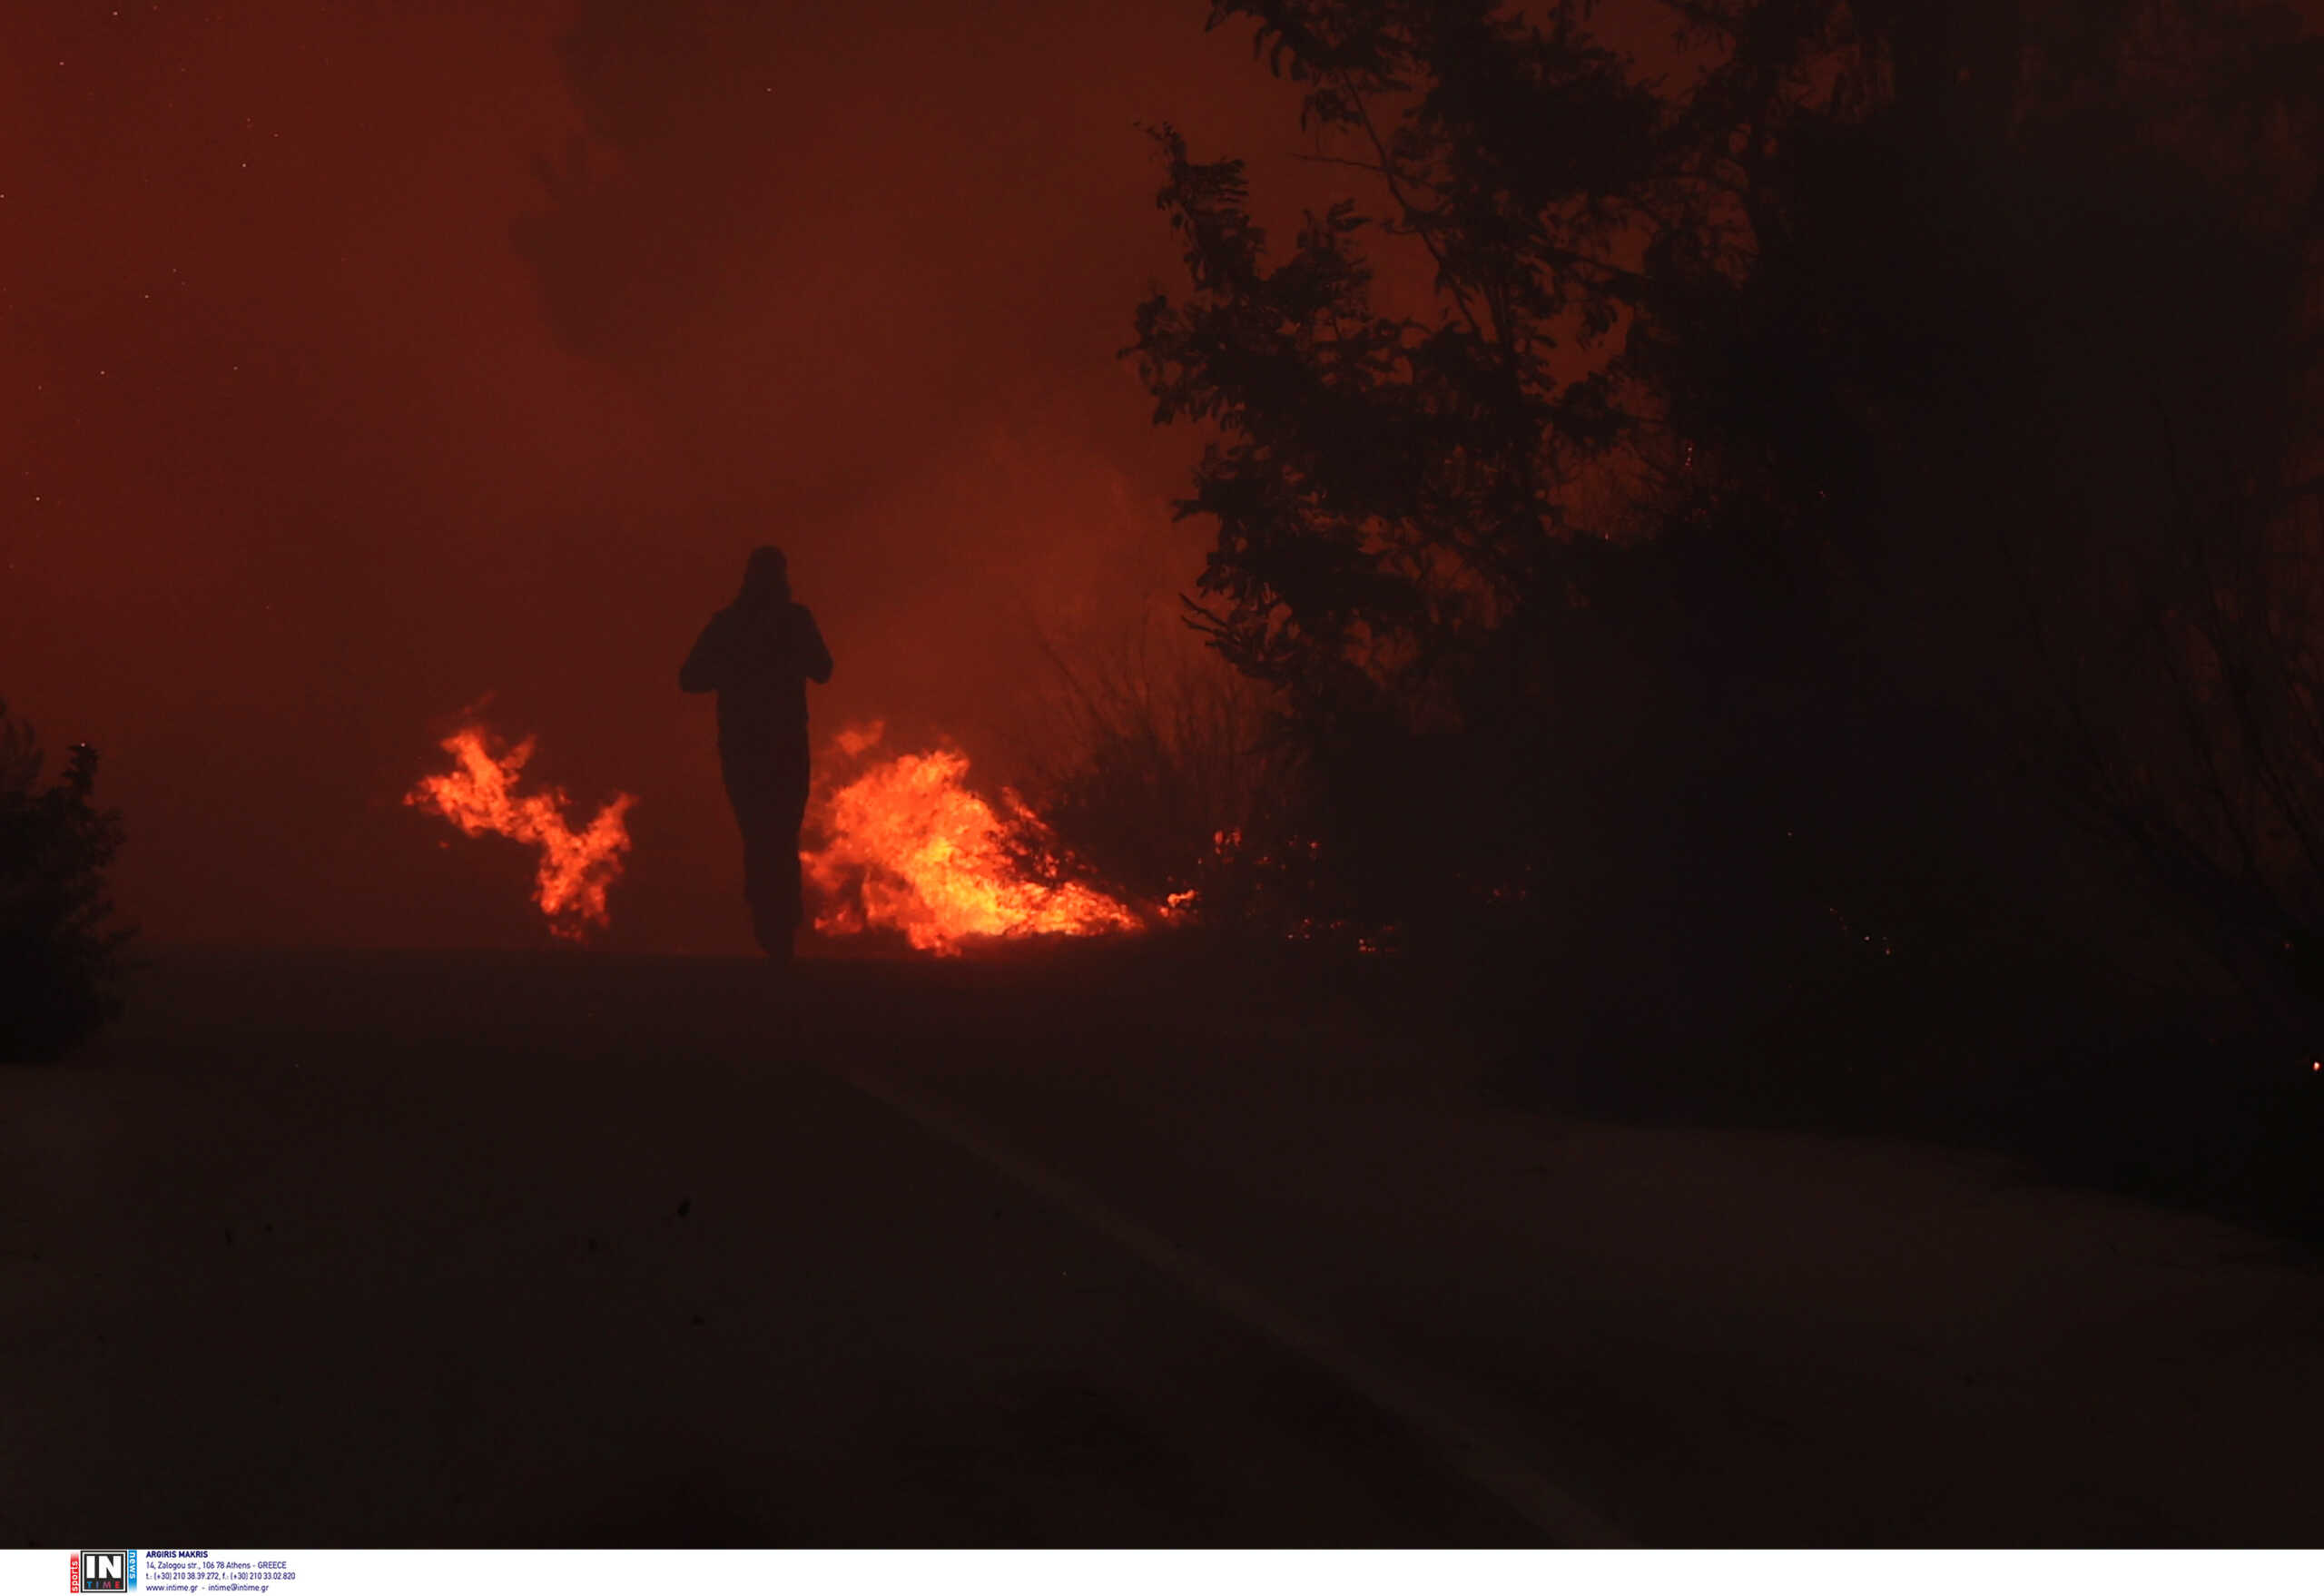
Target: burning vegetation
[
  {"x": 901, "y": 845},
  {"x": 478, "y": 796},
  {"x": 904, "y": 846},
  {"x": 907, "y": 846}
]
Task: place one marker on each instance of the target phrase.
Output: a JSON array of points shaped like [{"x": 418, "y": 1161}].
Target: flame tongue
[
  {"x": 911, "y": 848},
  {"x": 576, "y": 868}
]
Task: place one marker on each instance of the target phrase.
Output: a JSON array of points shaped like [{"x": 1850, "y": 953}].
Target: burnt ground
[{"x": 317, "y": 1248}]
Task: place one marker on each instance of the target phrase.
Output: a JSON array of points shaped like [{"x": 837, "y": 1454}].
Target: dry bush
[{"x": 1157, "y": 772}]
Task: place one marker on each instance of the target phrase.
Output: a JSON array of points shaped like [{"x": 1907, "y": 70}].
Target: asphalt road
[
  {"x": 342, "y": 1249},
  {"x": 387, "y": 1253}
]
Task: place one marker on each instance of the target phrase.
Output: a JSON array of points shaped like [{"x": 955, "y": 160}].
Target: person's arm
[
  {"x": 814, "y": 654},
  {"x": 705, "y": 668}
]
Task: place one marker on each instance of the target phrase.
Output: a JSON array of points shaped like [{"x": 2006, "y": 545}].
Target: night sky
[{"x": 363, "y": 360}]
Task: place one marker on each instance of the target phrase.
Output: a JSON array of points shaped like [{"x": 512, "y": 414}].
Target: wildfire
[
  {"x": 479, "y": 796},
  {"x": 909, "y": 847}
]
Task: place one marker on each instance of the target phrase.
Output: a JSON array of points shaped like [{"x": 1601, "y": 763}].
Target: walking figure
[{"x": 758, "y": 655}]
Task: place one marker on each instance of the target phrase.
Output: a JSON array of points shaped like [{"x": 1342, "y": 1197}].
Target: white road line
[{"x": 1549, "y": 1508}]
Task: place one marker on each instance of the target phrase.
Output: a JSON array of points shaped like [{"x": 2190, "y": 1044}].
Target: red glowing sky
[{"x": 363, "y": 359}]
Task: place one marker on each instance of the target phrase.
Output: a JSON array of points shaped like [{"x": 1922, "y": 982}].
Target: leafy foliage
[
  {"x": 1779, "y": 516},
  {"x": 59, "y": 951}
]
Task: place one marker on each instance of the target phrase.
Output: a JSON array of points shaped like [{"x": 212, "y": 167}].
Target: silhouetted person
[{"x": 758, "y": 655}]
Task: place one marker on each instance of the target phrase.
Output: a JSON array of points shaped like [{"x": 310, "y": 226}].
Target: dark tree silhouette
[
  {"x": 1800, "y": 501},
  {"x": 60, "y": 953}
]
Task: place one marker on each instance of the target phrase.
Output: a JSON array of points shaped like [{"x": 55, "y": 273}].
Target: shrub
[
  {"x": 60, "y": 953},
  {"x": 1159, "y": 777}
]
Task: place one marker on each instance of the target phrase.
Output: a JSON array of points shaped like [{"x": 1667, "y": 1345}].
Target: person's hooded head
[{"x": 766, "y": 578}]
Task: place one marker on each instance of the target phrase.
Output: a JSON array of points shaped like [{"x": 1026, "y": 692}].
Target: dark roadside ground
[{"x": 338, "y": 1248}]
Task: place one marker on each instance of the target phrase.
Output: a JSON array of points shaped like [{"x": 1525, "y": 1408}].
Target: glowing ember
[
  {"x": 911, "y": 848},
  {"x": 577, "y": 867}
]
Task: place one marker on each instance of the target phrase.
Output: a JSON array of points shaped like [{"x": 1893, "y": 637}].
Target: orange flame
[
  {"x": 577, "y": 867},
  {"x": 912, "y": 849}
]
